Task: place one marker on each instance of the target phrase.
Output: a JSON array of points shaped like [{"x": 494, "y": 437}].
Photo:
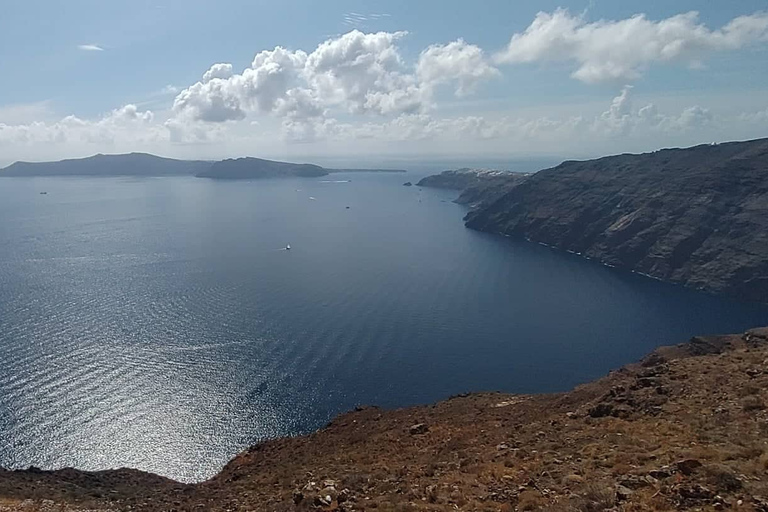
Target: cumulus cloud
[
  {"x": 358, "y": 89},
  {"x": 354, "y": 73},
  {"x": 223, "y": 96},
  {"x": 215, "y": 102},
  {"x": 622, "y": 119},
  {"x": 90, "y": 48},
  {"x": 622, "y": 49},
  {"x": 126, "y": 124},
  {"x": 760, "y": 117},
  {"x": 221, "y": 70},
  {"x": 363, "y": 72},
  {"x": 457, "y": 61}
]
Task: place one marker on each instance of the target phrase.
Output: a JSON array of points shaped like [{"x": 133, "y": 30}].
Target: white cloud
[
  {"x": 355, "y": 73},
  {"x": 362, "y": 72},
  {"x": 90, "y": 47},
  {"x": 169, "y": 89},
  {"x": 621, "y": 119},
  {"x": 223, "y": 96},
  {"x": 221, "y": 70},
  {"x": 356, "y": 92},
  {"x": 126, "y": 125},
  {"x": 621, "y": 50},
  {"x": 215, "y": 102},
  {"x": 760, "y": 117},
  {"x": 457, "y": 61}
]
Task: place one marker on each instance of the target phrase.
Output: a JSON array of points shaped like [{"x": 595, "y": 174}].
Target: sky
[{"x": 361, "y": 81}]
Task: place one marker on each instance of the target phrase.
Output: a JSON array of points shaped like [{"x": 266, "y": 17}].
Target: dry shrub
[
  {"x": 596, "y": 498},
  {"x": 722, "y": 478},
  {"x": 530, "y": 500},
  {"x": 764, "y": 461},
  {"x": 571, "y": 480}
]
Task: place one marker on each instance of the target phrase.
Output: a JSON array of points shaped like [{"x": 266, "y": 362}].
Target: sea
[{"x": 161, "y": 324}]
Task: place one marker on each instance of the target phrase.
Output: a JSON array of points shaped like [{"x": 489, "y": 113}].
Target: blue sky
[{"x": 81, "y": 77}]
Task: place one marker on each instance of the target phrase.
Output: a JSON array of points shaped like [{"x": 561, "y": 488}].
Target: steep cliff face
[{"x": 696, "y": 216}]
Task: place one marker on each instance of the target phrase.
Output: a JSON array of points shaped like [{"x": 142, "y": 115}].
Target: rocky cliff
[
  {"x": 695, "y": 216},
  {"x": 684, "y": 429}
]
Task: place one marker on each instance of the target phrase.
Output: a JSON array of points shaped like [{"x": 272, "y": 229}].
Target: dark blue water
[{"x": 157, "y": 323}]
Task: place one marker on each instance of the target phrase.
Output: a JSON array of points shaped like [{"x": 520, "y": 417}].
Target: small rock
[
  {"x": 661, "y": 473},
  {"x": 329, "y": 492},
  {"x": 623, "y": 493},
  {"x": 419, "y": 428},
  {"x": 637, "y": 482},
  {"x": 696, "y": 492},
  {"x": 298, "y": 496},
  {"x": 687, "y": 466},
  {"x": 646, "y": 382}
]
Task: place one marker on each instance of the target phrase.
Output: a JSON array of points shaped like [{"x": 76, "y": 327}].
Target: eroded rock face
[{"x": 695, "y": 216}]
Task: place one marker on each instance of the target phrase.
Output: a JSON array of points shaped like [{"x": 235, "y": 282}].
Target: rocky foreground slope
[
  {"x": 685, "y": 429},
  {"x": 696, "y": 216}
]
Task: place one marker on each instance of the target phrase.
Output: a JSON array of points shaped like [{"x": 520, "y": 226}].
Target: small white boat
[{"x": 288, "y": 247}]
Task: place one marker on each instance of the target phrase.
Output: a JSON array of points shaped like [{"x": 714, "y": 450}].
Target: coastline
[{"x": 624, "y": 438}]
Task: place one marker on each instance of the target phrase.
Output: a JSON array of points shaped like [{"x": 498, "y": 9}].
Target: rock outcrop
[{"x": 695, "y": 216}]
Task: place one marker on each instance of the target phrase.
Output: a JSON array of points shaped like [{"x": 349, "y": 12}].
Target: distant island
[
  {"x": 132, "y": 164},
  {"x": 247, "y": 168},
  {"x": 146, "y": 165},
  {"x": 696, "y": 216},
  {"x": 476, "y": 185}
]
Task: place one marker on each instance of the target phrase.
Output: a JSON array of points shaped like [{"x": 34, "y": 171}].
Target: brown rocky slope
[
  {"x": 696, "y": 216},
  {"x": 685, "y": 429}
]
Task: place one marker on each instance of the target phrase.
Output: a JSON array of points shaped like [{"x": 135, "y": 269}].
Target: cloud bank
[
  {"x": 622, "y": 50},
  {"x": 357, "y": 92}
]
